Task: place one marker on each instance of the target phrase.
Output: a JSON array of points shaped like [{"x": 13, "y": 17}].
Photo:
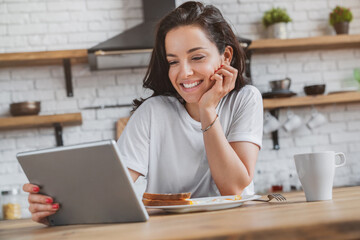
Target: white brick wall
[{"x": 53, "y": 25}]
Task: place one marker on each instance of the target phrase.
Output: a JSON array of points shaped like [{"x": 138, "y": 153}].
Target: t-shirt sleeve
[
  {"x": 247, "y": 123},
  {"x": 134, "y": 141}
]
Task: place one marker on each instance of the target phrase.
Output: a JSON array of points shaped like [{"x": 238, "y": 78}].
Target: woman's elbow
[{"x": 236, "y": 189}]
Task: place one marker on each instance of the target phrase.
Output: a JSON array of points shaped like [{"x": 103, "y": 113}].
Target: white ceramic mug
[
  {"x": 316, "y": 120},
  {"x": 271, "y": 123},
  {"x": 316, "y": 173},
  {"x": 293, "y": 122}
]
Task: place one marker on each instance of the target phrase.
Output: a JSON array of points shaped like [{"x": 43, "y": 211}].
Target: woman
[{"x": 201, "y": 130}]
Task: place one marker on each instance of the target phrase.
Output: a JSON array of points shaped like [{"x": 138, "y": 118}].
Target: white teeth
[{"x": 191, "y": 85}]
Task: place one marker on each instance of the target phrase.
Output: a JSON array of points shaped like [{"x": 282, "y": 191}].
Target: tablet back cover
[{"x": 88, "y": 180}]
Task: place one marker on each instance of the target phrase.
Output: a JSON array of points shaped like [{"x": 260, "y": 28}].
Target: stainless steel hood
[{"x": 133, "y": 47}]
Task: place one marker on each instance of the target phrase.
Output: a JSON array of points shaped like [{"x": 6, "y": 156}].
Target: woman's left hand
[{"x": 225, "y": 78}]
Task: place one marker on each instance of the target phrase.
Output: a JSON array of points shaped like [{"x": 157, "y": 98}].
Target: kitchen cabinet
[{"x": 56, "y": 121}]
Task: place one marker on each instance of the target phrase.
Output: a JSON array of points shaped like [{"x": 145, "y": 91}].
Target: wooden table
[{"x": 296, "y": 218}]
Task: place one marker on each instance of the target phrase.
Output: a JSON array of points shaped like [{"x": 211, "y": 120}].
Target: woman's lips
[{"x": 190, "y": 87}]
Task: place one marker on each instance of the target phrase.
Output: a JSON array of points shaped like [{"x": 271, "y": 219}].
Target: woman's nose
[{"x": 186, "y": 70}]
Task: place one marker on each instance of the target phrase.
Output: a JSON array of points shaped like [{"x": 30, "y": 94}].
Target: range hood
[{"x": 133, "y": 47}]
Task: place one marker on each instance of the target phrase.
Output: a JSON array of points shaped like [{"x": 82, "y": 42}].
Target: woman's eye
[
  {"x": 198, "y": 58},
  {"x": 172, "y": 62}
]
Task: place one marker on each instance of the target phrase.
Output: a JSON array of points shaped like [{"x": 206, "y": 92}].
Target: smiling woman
[{"x": 201, "y": 130}]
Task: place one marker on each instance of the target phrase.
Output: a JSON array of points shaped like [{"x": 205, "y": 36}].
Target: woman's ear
[{"x": 227, "y": 55}]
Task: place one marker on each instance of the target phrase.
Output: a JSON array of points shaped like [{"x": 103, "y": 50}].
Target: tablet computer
[{"x": 89, "y": 181}]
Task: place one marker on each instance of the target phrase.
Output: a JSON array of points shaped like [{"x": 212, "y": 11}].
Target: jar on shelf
[{"x": 11, "y": 207}]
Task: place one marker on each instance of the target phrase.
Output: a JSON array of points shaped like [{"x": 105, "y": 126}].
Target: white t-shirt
[{"x": 162, "y": 142}]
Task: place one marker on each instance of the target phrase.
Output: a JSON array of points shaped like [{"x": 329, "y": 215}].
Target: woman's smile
[{"x": 191, "y": 86}]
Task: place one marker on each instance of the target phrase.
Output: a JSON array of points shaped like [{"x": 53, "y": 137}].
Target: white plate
[{"x": 207, "y": 204}]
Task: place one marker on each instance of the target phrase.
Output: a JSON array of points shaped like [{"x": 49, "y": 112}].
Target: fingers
[
  {"x": 31, "y": 188},
  {"x": 41, "y": 206},
  {"x": 36, "y": 207},
  {"x": 38, "y": 198},
  {"x": 41, "y": 217},
  {"x": 217, "y": 77},
  {"x": 228, "y": 75},
  {"x": 39, "y": 211}
]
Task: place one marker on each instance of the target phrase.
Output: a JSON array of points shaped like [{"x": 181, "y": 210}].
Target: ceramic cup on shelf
[
  {"x": 271, "y": 123},
  {"x": 316, "y": 173},
  {"x": 316, "y": 119},
  {"x": 293, "y": 122}
]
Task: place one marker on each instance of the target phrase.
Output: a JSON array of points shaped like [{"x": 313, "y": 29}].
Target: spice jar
[{"x": 11, "y": 207}]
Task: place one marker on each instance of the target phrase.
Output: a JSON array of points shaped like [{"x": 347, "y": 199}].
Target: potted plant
[
  {"x": 339, "y": 18},
  {"x": 275, "y": 21}
]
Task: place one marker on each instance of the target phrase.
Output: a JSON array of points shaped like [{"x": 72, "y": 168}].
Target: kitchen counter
[{"x": 335, "y": 219}]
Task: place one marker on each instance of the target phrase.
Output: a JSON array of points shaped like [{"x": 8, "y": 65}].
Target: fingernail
[
  {"x": 36, "y": 189},
  {"x": 55, "y": 206},
  {"x": 221, "y": 65},
  {"x": 49, "y": 200}
]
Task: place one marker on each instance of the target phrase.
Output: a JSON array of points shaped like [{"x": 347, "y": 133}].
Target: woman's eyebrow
[
  {"x": 194, "y": 49},
  {"x": 188, "y": 51}
]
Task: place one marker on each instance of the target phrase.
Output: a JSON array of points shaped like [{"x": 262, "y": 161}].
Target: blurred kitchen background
[{"x": 31, "y": 26}]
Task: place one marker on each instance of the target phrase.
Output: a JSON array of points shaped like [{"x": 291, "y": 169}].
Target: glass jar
[{"x": 11, "y": 206}]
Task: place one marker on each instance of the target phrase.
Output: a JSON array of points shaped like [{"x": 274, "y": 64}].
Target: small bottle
[{"x": 11, "y": 207}]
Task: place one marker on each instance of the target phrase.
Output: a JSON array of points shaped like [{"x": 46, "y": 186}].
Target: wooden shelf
[
  {"x": 66, "y": 58},
  {"x": 311, "y": 100},
  {"x": 303, "y": 44},
  {"x": 40, "y": 121},
  {"x": 42, "y": 58},
  {"x": 258, "y": 46}
]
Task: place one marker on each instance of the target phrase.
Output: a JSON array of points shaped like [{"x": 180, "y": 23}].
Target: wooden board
[
  {"x": 303, "y": 44},
  {"x": 311, "y": 100},
  {"x": 42, "y": 58},
  {"x": 335, "y": 219},
  {"x": 40, "y": 121},
  {"x": 258, "y": 46},
  {"x": 46, "y": 55}
]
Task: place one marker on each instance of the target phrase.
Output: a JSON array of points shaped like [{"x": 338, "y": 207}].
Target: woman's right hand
[{"x": 41, "y": 206}]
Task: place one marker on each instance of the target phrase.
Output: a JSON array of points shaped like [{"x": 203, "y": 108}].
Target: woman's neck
[{"x": 193, "y": 110}]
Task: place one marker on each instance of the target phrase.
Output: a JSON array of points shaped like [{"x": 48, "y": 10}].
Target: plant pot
[
  {"x": 342, "y": 28},
  {"x": 277, "y": 30}
]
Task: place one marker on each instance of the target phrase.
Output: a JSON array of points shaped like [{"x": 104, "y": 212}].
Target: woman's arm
[
  {"x": 232, "y": 164},
  {"x": 134, "y": 175}
]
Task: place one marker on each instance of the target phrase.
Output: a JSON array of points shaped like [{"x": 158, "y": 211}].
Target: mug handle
[
  {"x": 342, "y": 158},
  {"x": 267, "y": 115}
]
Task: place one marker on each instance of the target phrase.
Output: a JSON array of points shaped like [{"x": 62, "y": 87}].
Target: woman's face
[{"x": 192, "y": 59}]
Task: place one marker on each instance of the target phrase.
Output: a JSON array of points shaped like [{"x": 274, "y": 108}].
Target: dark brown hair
[{"x": 210, "y": 19}]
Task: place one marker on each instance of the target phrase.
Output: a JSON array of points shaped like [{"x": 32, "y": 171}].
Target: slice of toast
[
  {"x": 150, "y": 202},
  {"x": 170, "y": 196}
]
